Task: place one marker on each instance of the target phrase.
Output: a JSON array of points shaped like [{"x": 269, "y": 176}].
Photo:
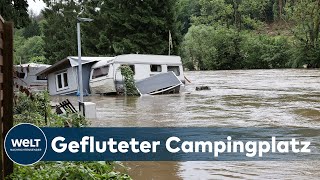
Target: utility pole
[{"x": 80, "y": 82}]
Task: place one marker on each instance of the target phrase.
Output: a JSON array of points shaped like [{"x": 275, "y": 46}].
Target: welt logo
[{"x": 26, "y": 143}]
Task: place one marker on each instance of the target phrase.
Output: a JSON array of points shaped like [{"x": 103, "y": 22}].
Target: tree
[
  {"x": 212, "y": 47},
  {"x": 198, "y": 51},
  {"x": 119, "y": 27},
  {"x": 137, "y": 26},
  {"x": 243, "y": 14},
  {"x": 279, "y": 9},
  {"x": 187, "y": 9},
  {"x": 60, "y": 29},
  {"x": 214, "y": 12},
  {"x": 264, "y": 52},
  {"x": 98, "y": 43},
  {"x": 306, "y": 17},
  {"x": 31, "y": 49},
  {"x": 33, "y": 29},
  {"x": 16, "y": 11},
  {"x": 218, "y": 47}
]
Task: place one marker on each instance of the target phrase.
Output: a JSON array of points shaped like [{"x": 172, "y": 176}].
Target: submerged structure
[
  {"x": 63, "y": 75},
  {"x": 25, "y": 75},
  {"x": 164, "y": 83},
  {"x": 102, "y": 75},
  {"x": 106, "y": 75}
]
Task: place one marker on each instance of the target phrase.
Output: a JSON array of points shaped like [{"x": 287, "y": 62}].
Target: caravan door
[{"x": 101, "y": 80}]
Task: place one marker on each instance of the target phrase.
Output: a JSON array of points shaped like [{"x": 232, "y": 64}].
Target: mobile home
[
  {"x": 106, "y": 75},
  {"x": 25, "y": 76},
  {"x": 63, "y": 75}
]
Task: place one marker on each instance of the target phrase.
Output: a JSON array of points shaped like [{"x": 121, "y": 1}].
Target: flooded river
[{"x": 242, "y": 98}]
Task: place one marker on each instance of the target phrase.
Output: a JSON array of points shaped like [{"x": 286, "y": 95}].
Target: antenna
[
  {"x": 170, "y": 43},
  {"x": 81, "y": 10}
]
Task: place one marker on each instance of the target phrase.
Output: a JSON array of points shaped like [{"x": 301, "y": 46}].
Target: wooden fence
[{"x": 6, "y": 91}]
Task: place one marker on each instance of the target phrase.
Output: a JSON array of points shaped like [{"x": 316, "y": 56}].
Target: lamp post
[{"x": 80, "y": 83}]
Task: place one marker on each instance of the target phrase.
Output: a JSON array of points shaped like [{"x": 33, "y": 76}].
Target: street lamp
[{"x": 80, "y": 85}]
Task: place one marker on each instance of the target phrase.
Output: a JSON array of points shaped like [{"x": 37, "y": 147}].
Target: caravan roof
[
  {"x": 147, "y": 59},
  {"x": 73, "y": 62},
  {"x": 140, "y": 59},
  {"x": 36, "y": 65},
  {"x": 74, "y": 59},
  {"x": 31, "y": 68}
]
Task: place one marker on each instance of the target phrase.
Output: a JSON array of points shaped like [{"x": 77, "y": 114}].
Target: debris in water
[{"x": 203, "y": 88}]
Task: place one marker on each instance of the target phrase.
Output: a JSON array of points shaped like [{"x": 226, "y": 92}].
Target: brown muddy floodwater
[{"x": 242, "y": 98}]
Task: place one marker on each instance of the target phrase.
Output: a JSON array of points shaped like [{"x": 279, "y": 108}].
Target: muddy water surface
[{"x": 244, "y": 98}]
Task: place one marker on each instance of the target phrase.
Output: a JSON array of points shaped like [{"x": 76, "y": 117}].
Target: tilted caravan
[
  {"x": 26, "y": 76},
  {"x": 106, "y": 76},
  {"x": 63, "y": 75}
]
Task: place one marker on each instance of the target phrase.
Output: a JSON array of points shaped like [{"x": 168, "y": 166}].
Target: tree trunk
[{"x": 280, "y": 8}]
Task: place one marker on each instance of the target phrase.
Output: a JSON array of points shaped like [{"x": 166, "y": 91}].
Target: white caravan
[
  {"x": 26, "y": 76},
  {"x": 106, "y": 76}
]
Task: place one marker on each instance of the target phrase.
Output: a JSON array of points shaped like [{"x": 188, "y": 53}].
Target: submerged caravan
[
  {"x": 155, "y": 74},
  {"x": 25, "y": 75},
  {"x": 149, "y": 73}
]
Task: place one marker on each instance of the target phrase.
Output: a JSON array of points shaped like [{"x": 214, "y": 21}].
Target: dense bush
[
  {"x": 218, "y": 47},
  {"x": 34, "y": 108},
  {"x": 129, "y": 84},
  {"x": 208, "y": 47},
  {"x": 305, "y": 54},
  {"x": 262, "y": 51},
  {"x": 68, "y": 171}
]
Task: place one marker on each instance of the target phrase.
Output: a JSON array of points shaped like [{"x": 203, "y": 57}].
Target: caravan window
[
  {"x": 62, "y": 81},
  {"x": 174, "y": 69},
  {"x": 42, "y": 77},
  {"x": 155, "y": 68},
  {"x": 65, "y": 79},
  {"x": 99, "y": 72},
  {"x": 21, "y": 75},
  {"x": 59, "y": 79}
]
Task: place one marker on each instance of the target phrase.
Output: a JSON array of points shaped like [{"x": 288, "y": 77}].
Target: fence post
[
  {"x": 7, "y": 102},
  {"x": 1, "y": 94}
]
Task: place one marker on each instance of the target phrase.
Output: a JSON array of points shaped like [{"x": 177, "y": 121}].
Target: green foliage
[
  {"x": 16, "y": 11},
  {"x": 33, "y": 29},
  {"x": 119, "y": 27},
  {"x": 38, "y": 59},
  {"x": 218, "y": 34},
  {"x": 28, "y": 49},
  {"x": 29, "y": 43},
  {"x": 214, "y": 12},
  {"x": 130, "y": 88},
  {"x": 306, "y": 17},
  {"x": 262, "y": 51},
  {"x": 225, "y": 35},
  {"x": 36, "y": 109},
  {"x": 305, "y": 54},
  {"x": 245, "y": 14},
  {"x": 18, "y": 41},
  {"x": 210, "y": 48},
  {"x": 186, "y": 10},
  {"x": 59, "y": 29},
  {"x": 134, "y": 26},
  {"x": 33, "y": 108},
  {"x": 68, "y": 171}
]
